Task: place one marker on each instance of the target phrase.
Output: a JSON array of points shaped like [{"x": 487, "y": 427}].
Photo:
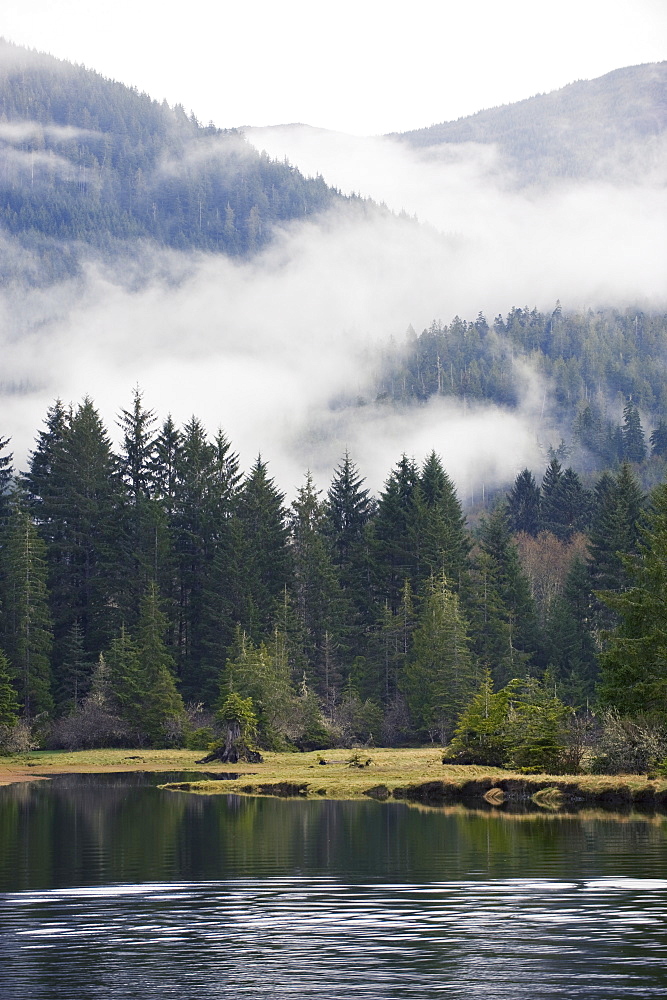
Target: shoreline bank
[{"x": 415, "y": 776}]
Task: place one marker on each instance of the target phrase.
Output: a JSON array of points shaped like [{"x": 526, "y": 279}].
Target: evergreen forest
[
  {"x": 92, "y": 166},
  {"x": 155, "y": 590},
  {"x": 142, "y": 587}
]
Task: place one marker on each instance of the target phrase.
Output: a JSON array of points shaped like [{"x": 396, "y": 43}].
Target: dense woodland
[
  {"x": 150, "y": 594},
  {"x": 586, "y": 366},
  {"x": 141, "y": 588},
  {"x": 90, "y": 163}
]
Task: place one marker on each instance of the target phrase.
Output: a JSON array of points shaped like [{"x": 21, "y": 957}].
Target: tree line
[
  {"x": 593, "y": 365},
  {"x": 140, "y": 587}
]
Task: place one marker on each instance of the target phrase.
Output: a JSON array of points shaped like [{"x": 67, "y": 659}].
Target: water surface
[{"x": 111, "y": 888}]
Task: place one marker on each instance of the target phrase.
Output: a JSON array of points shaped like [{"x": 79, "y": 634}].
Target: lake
[{"x": 112, "y": 888}]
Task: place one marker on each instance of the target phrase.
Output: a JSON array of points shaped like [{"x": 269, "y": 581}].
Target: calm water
[{"x": 110, "y": 888}]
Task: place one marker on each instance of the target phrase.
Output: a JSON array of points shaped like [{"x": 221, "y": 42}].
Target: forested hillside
[
  {"x": 612, "y": 127},
  {"x": 140, "y": 588},
  {"x": 89, "y": 160},
  {"x": 585, "y": 367}
]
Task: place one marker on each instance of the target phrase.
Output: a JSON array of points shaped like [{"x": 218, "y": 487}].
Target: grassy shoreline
[{"x": 409, "y": 775}]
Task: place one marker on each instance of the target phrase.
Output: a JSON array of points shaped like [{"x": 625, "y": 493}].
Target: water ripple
[{"x": 322, "y": 938}]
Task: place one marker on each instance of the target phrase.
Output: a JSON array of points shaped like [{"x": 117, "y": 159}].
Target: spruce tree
[
  {"x": 550, "y": 510},
  {"x": 75, "y": 670},
  {"x": 82, "y": 508},
  {"x": 523, "y": 504},
  {"x": 441, "y": 673},
  {"x": 120, "y": 671},
  {"x": 658, "y": 439},
  {"x": 614, "y": 535},
  {"x": 318, "y": 598},
  {"x": 634, "y": 443},
  {"x": 505, "y": 625},
  {"x": 349, "y": 510},
  {"x": 160, "y": 701},
  {"x": 394, "y": 557},
  {"x": 27, "y": 631},
  {"x": 571, "y": 647},
  {"x": 6, "y": 475},
  {"x": 9, "y": 703},
  {"x": 193, "y": 533},
  {"x": 633, "y": 663},
  {"x": 437, "y": 526},
  {"x": 267, "y": 559}
]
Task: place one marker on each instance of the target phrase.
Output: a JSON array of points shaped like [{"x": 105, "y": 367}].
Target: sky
[{"x": 365, "y": 67}]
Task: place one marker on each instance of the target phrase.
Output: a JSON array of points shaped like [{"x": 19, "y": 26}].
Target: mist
[{"x": 279, "y": 351}]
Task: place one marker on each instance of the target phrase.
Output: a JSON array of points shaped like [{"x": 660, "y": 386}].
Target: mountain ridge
[{"x": 576, "y": 131}]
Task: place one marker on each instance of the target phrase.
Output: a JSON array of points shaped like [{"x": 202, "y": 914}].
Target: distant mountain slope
[
  {"x": 612, "y": 127},
  {"x": 87, "y": 159}
]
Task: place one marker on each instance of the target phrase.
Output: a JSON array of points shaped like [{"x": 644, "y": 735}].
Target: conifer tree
[
  {"x": 9, "y": 704},
  {"x": 27, "y": 627},
  {"x": 658, "y": 439},
  {"x": 394, "y": 641},
  {"x": 79, "y": 515},
  {"x": 349, "y": 508},
  {"x": 262, "y": 673},
  {"x": 160, "y": 701},
  {"x": 634, "y": 663},
  {"x": 318, "y": 598},
  {"x": 146, "y": 538},
  {"x": 634, "y": 443},
  {"x": 523, "y": 504},
  {"x": 615, "y": 528},
  {"x": 505, "y": 626},
  {"x": 6, "y": 475},
  {"x": 550, "y": 514},
  {"x": 267, "y": 560},
  {"x": 394, "y": 556},
  {"x": 122, "y": 673},
  {"x": 194, "y": 546},
  {"x": 571, "y": 646},
  {"x": 75, "y": 670},
  {"x": 437, "y": 525},
  {"x": 441, "y": 674},
  {"x": 480, "y": 734}
]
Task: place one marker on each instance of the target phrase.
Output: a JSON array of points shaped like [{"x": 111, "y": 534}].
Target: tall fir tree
[
  {"x": 634, "y": 661},
  {"x": 350, "y": 508},
  {"x": 266, "y": 555},
  {"x": 27, "y": 631},
  {"x": 318, "y": 597},
  {"x": 441, "y": 674},
  {"x": 193, "y": 547},
  {"x": 634, "y": 442},
  {"x": 9, "y": 703},
  {"x": 437, "y": 527},
  {"x": 505, "y": 627},
  {"x": 614, "y": 535},
  {"x": 6, "y": 476},
  {"x": 394, "y": 557},
  {"x": 523, "y": 504},
  {"x": 80, "y": 514},
  {"x": 160, "y": 700}
]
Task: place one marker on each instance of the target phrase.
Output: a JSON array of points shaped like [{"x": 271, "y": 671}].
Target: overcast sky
[{"x": 360, "y": 66}]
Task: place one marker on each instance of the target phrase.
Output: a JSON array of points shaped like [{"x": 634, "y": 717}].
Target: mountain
[
  {"x": 612, "y": 127},
  {"x": 87, "y": 159}
]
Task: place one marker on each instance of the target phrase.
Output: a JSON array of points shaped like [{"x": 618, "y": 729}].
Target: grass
[{"x": 412, "y": 774}]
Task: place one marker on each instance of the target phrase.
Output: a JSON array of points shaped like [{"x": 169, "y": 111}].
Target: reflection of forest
[{"x": 87, "y": 830}]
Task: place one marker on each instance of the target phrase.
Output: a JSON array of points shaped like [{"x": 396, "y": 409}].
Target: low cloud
[
  {"x": 278, "y": 350},
  {"x": 27, "y": 131}
]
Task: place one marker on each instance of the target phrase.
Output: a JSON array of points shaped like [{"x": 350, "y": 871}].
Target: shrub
[{"x": 628, "y": 746}]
